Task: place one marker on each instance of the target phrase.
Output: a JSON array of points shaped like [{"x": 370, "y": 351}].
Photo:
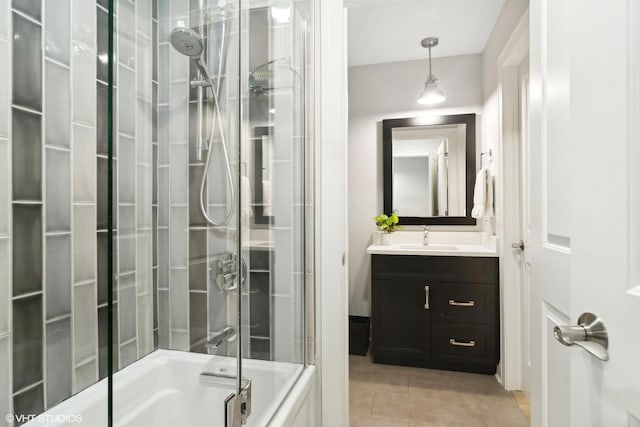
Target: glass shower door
[
  {"x": 274, "y": 201},
  {"x": 211, "y": 203},
  {"x": 177, "y": 287}
]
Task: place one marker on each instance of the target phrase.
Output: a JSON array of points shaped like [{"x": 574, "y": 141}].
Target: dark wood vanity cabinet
[
  {"x": 436, "y": 312},
  {"x": 400, "y": 328}
]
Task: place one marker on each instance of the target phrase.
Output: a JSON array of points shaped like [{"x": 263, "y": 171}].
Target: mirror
[
  {"x": 263, "y": 174},
  {"x": 429, "y": 169}
]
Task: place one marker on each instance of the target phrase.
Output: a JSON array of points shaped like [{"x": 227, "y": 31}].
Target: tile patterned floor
[{"x": 396, "y": 396}]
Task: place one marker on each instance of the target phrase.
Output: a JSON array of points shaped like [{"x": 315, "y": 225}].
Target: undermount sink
[{"x": 429, "y": 247}]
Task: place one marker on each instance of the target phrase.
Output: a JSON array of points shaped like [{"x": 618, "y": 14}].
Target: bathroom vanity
[
  {"x": 436, "y": 306},
  {"x": 434, "y": 295}
]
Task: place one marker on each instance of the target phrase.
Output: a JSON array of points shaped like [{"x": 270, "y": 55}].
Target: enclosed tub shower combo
[{"x": 156, "y": 228}]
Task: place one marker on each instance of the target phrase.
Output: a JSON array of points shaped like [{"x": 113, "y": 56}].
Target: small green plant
[{"x": 388, "y": 224}]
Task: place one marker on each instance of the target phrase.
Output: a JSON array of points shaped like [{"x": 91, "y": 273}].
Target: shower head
[
  {"x": 261, "y": 78},
  {"x": 187, "y": 42}
]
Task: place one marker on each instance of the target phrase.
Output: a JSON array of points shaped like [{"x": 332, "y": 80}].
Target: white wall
[
  {"x": 384, "y": 91},
  {"x": 502, "y": 29},
  {"x": 504, "y": 26}
]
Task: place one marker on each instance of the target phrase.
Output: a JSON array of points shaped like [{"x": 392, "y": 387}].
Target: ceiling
[{"x": 390, "y": 30}]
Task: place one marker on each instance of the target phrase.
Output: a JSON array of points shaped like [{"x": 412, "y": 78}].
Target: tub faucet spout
[{"x": 215, "y": 341}]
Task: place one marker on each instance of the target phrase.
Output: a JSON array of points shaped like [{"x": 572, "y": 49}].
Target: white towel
[
  {"x": 488, "y": 206},
  {"x": 266, "y": 198},
  {"x": 483, "y": 195},
  {"x": 245, "y": 190}
]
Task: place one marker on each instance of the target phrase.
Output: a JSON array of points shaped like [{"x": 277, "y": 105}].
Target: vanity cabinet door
[{"x": 400, "y": 321}]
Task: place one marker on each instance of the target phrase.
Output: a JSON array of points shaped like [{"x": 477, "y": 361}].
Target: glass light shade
[
  {"x": 281, "y": 15},
  {"x": 431, "y": 93}
]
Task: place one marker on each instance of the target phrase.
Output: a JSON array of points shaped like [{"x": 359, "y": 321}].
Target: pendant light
[{"x": 431, "y": 93}]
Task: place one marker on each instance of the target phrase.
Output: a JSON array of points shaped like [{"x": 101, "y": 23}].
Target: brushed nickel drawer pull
[
  {"x": 462, "y": 304},
  {"x": 426, "y": 297},
  {"x": 462, "y": 344}
]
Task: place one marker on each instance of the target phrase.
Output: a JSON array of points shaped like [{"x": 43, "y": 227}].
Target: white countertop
[{"x": 472, "y": 244}]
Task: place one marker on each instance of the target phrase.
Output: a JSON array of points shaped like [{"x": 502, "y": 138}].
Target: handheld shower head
[
  {"x": 187, "y": 42},
  {"x": 191, "y": 44}
]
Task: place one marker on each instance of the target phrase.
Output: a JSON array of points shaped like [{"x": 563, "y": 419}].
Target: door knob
[
  {"x": 590, "y": 334},
  {"x": 519, "y": 245}
]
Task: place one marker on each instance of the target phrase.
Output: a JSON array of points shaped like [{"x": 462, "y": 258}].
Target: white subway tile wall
[
  {"x": 84, "y": 243},
  {"x": 57, "y": 109},
  {"x": 85, "y": 324},
  {"x": 5, "y": 84},
  {"x": 144, "y": 166},
  {"x": 83, "y": 63},
  {"x": 5, "y": 186},
  {"x": 5, "y": 287},
  {"x": 58, "y": 276},
  {"x": 84, "y": 170},
  {"x": 59, "y": 360},
  {"x": 85, "y": 375}
]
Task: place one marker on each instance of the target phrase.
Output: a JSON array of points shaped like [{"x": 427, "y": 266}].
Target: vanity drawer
[
  {"x": 464, "y": 343},
  {"x": 436, "y": 268},
  {"x": 464, "y": 302}
]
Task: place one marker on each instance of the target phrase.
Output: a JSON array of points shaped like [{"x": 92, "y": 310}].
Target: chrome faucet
[
  {"x": 217, "y": 340},
  {"x": 425, "y": 236}
]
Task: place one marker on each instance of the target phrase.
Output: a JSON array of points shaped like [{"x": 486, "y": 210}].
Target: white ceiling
[{"x": 390, "y": 30}]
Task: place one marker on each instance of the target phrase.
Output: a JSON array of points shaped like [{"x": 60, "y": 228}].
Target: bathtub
[{"x": 165, "y": 389}]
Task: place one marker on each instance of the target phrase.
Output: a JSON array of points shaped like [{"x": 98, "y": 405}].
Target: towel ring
[{"x": 490, "y": 153}]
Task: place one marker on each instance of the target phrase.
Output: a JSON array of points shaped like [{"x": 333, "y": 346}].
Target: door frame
[
  {"x": 508, "y": 214},
  {"x": 330, "y": 196}
]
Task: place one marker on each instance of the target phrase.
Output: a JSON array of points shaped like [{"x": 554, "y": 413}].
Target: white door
[{"x": 585, "y": 199}]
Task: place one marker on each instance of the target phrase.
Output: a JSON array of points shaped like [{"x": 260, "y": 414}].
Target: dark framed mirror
[
  {"x": 263, "y": 175},
  {"x": 429, "y": 167}
]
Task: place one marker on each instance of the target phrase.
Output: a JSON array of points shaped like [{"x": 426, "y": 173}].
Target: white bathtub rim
[
  {"x": 295, "y": 398},
  {"x": 96, "y": 393}
]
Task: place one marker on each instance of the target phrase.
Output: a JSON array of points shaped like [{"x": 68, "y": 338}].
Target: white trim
[
  {"x": 515, "y": 51},
  {"x": 557, "y": 248},
  {"x": 331, "y": 238},
  {"x": 634, "y": 149},
  {"x": 298, "y": 400}
]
